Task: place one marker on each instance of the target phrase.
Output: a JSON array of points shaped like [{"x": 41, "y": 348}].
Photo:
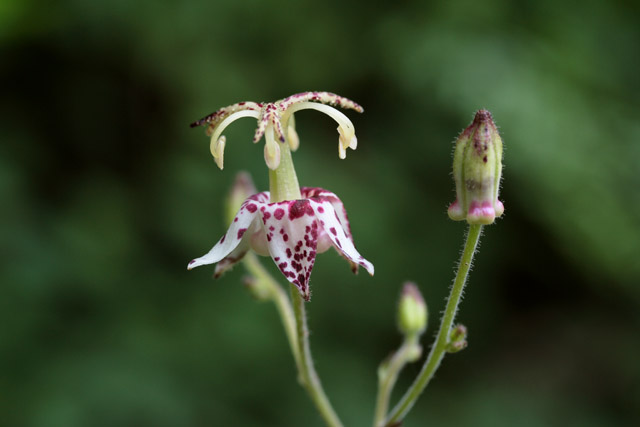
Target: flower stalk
[
  {"x": 409, "y": 351},
  {"x": 412, "y": 322},
  {"x": 274, "y": 292},
  {"x": 439, "y": 348},
  {"x": 308, "y": 374}
]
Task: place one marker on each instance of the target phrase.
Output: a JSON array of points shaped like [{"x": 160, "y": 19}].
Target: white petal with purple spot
[
  {"x": 331, "y": 224},
  {"x": 242, "y": 222},
  {"x": 292, "y": 236}
]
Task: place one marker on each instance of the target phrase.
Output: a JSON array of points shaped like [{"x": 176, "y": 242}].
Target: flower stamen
[
  {"x": 218, "y": 141},
  {"x": 278, "y": 116}
]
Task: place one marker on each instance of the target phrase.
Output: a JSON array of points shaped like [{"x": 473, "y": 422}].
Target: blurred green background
[{"x": 107, "y": 194}]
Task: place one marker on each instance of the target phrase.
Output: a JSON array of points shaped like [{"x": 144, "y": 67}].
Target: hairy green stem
[
  {"x": 278, "y": 295},
  {"x": 388, "y": 375},
  {"x": 308, "y": 373},
  {"x": 442, "y": 339}
]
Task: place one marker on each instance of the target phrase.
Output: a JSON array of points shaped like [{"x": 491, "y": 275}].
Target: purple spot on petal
[
  {"x": 333, "y": 231},
  {"x": 223, "y": 237},
  {"x": 279, "y": 213},
  {"x": 241, "y": 232},
  {"x": 252, "y": 208},
  {"x": 192, "y": 261},
  {"x": 320, "y": 209},
  {"x": 297, "y": 209},
  {"x": 285, "y": 237}
]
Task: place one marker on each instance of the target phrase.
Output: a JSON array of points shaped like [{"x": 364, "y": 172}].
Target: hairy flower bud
[
  {"x": 412, "y": 311},
  {"x": 477, "y": 168}
]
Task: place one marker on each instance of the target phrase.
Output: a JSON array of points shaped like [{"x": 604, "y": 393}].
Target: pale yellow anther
[
  {"x": 354, "y": 143},
  {"x": 347, "y": 139},
  {"x": 217, "y": 136},
  {"x": 342, "y": 152},
  {"x": 345, "y": 127},
  {"x": 292, "y": 135},
  {"x": 216, "y": 147},
  {"x": 218, "y": 151},
  {"x": 271, "y": 149}
]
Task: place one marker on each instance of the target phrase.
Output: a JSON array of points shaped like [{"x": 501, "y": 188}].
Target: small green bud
[
  {"x": 412, "y": 311},
  {"x": 477, "y": 169},
  {"x": 457, "y": 339},
  {"x": 242, "y": 189}
]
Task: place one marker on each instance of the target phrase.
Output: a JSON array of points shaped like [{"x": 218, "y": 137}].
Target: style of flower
[
  {"x": 275, "y": 120},
  {"x": 292, "y": 232}
]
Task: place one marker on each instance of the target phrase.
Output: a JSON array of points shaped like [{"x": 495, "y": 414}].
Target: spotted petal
[
  {"x": 295, "y": 231},
  {"x": 235, "y": 242},
  {"x": 337, "y": 232},
  {"x": 292, "y": 232},
  {"x": 325, "y": 195},
  {"x": 292, "y": 236}
]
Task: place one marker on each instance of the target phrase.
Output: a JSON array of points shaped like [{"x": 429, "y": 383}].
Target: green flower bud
[
  {"x": 412, "y": 311},
  {"x": 242, "y": 189},
  {"x": 477, "y": 169},
  {"x": 457, "y": 339}
]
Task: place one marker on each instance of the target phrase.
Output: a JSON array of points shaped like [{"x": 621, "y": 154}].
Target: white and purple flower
[{"x": 292, "y": 232}]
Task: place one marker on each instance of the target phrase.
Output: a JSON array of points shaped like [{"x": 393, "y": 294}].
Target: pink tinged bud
[
  {"x": 477, "y": 170},
  {"x": 292, "y": 232},
  {"x": 457, "y": 339}
]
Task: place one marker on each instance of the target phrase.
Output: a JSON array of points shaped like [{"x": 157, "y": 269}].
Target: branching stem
[{"x": 439, "y": 348}]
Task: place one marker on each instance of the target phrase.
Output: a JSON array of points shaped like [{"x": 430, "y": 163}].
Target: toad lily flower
[
  {"x": 292, "y": 232},
  {"x": 275, "y": 120}
]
